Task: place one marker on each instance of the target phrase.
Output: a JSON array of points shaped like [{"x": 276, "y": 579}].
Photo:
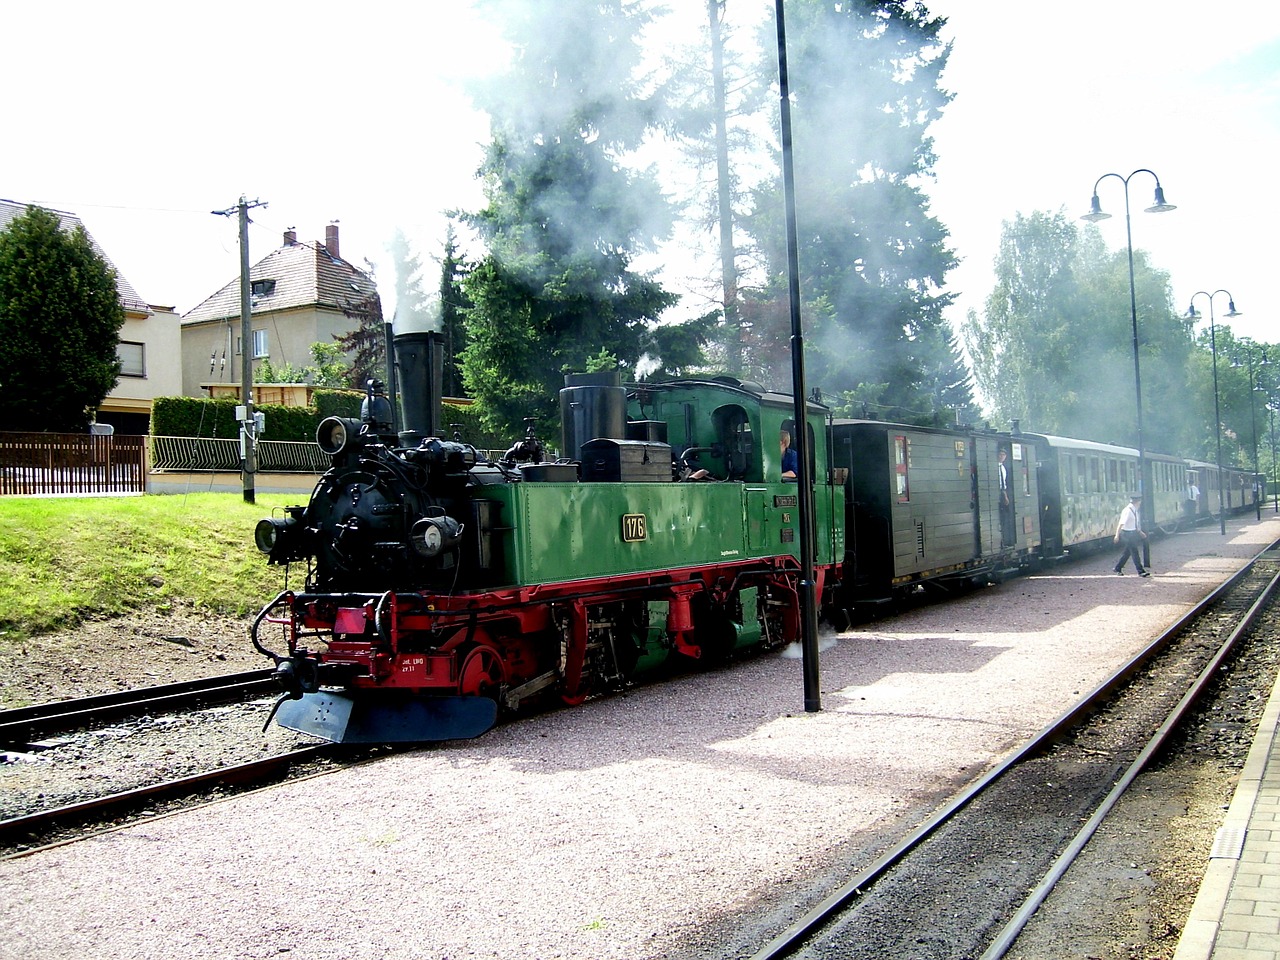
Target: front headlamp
[
  {"x": 282, "y": 539},
  {"x": 432, "y": 535},
  {"x": 336, "y": 434}
]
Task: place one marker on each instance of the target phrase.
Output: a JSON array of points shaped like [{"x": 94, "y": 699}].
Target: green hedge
[{"x": 197, "y": 417}]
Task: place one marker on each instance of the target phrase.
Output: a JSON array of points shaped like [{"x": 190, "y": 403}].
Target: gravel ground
[{"x": 660, "y": 823}]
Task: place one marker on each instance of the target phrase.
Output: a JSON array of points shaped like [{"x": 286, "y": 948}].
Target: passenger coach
[
  {"x": 926, "y": 505},
  {"x": 1085, "y": 485}
]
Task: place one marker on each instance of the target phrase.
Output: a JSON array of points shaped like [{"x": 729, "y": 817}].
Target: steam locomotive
[{"x": 443, "y": 586}]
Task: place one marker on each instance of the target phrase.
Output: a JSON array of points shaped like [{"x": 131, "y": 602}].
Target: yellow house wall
[{"x": 290, "y": 334}]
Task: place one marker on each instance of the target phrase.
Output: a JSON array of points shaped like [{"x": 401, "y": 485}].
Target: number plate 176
[{"x": 634, "y": 528}]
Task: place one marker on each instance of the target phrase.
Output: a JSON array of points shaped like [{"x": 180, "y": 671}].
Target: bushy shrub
[{"x": 201, "y": 417}]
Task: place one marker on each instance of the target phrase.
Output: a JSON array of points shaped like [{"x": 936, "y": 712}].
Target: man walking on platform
[{"x": 1129, "y": 532}]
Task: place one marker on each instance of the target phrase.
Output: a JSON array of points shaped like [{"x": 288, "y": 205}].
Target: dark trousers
[
  {"x": 1131, "y": 540},
  {"x": 1008, "y": 534}
]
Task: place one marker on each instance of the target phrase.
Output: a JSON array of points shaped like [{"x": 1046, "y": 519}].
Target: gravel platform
[{"x": 687, "y": 820}]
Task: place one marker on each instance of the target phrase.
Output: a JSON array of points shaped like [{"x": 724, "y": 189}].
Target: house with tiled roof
[
  {"x": 301, "y": 293},
  {"x": 149, "y": 344}
]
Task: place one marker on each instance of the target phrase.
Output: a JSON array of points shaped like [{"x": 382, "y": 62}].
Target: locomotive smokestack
[
  {"x": 592, "y": 406},
  {"x": 420, "y": 357}
]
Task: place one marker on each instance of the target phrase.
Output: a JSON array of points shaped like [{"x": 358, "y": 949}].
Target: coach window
[
  {"x": 901, "y": 457},
  {"x": 1020, "y": 456}
]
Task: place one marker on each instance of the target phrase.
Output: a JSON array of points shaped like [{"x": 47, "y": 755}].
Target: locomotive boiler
[{"x": 443, "y": 587}]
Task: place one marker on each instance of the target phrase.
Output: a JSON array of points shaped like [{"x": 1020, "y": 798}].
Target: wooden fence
[{"x": 33, "y": 464}]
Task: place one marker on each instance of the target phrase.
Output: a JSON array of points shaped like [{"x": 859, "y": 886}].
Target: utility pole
[
  {"x": 804, "y": 482},
  {"x": 728, "y": 268},
  {"x": 244, "y": 412}
]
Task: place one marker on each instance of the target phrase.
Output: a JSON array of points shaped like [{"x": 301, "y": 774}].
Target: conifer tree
[
  {"x": 864, "y": 79},
  {"x": 565, "y": 215},
  {"x": 60, "y": 320}
]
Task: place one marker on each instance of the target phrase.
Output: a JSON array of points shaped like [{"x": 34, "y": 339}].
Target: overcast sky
[{"x": 143, "y": 117}]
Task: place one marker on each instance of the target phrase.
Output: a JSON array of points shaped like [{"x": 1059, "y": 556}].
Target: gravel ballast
[{"x": 659, "y": 823}]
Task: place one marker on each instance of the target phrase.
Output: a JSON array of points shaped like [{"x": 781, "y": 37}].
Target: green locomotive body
[{"x": 664, "y": 534}]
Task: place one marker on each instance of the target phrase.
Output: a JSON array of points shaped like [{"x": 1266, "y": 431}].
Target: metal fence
[
  {"x": 46, "y": 464},
  {"x": 193, "y": 454}
]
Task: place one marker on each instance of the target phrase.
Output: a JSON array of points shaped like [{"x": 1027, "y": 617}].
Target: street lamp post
[
  {"x": 1217, "y": 415},
  {"x": 1253, "y": 424},
  {"x": 1271, "y": 415},
  {"x": 1275, "y": 487},
  {"x": 1093, "y": 216}
]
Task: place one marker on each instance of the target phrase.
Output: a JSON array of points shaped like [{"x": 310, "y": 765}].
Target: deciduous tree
[{"x": 1053, "y": 347}]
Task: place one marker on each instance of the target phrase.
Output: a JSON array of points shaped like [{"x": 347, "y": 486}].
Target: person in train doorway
[
  {"x": 1191, "y": 501},
  {"x": 1129, "y": 532},
  {"x": 1005, "y": 478},
  {"x": 790, "y": 462}
]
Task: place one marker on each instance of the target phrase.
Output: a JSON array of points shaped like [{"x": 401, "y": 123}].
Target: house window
[
  {"x": 133, "y": 358},
  {"x": 262, "y": 288},
  {"x": 259, "y": 345}
]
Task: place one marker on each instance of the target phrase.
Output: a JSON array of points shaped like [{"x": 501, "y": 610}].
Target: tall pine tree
[
  {"x": 565, "y": 215},
  {"x": 864, "y": 79}
]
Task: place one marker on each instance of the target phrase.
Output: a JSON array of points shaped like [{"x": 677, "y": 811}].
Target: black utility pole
[
  {"x": 248, "y": 425},
  {"x": 728, "y": 267},
  {"x": 804, "y": 482}
]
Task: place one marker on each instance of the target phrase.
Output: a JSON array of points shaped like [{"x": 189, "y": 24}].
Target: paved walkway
[
  {"x": 1236, "y": 915},
  {"x": 210, "y": 481}
]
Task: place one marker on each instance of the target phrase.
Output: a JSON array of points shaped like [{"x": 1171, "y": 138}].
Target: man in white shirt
[
  {"x": 1008, "y": 535},
  {"x": 1129, "y": 532},
  {"x": 1192, "y": 502}
]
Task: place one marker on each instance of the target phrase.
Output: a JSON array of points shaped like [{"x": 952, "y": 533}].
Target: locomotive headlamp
[
  {"x": 281, "y": 539},
  {"x": 432, "y": 535},
  {"x": 267, "y": 533},
  {"x": 336, "y": 434}
]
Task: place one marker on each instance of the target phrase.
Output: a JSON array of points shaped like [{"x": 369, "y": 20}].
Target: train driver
[{"x": 790, "y": 462}]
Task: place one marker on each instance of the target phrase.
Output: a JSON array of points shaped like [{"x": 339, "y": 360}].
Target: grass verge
[{"x": 66, "y": 559}]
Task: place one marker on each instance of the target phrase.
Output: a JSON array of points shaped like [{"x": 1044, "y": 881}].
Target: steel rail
[
  {"x": 1009, "y": 933},
  {"x": 22, "y": 725},
  {"x": 821, "y": 915},
  {"x": 263, "y": 770}
]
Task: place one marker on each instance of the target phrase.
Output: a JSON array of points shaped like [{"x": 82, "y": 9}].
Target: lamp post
[
  {"x": 1217, "y": 416},
  {"x": 1253, "y": 424},
  {"x": 1275, "y": 487},
  {"x": 1269, "y": 390},
  {"x": 1094, "y": 215}
]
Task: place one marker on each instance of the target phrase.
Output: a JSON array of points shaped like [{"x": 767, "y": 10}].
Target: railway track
[
  {"x": 988, "y": 859},
  {"x": 44, "y": 826},
  {"x": 36, "y": 814},
  {"x": 23, "y": 727}
]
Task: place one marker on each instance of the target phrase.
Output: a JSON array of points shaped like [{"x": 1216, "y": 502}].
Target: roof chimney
[
  {"x": 290, "y": 237},
  {"x": 331, "y": 240}
]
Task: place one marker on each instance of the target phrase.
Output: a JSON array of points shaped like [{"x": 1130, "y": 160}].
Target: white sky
[{"x": 142, "y": 117}]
